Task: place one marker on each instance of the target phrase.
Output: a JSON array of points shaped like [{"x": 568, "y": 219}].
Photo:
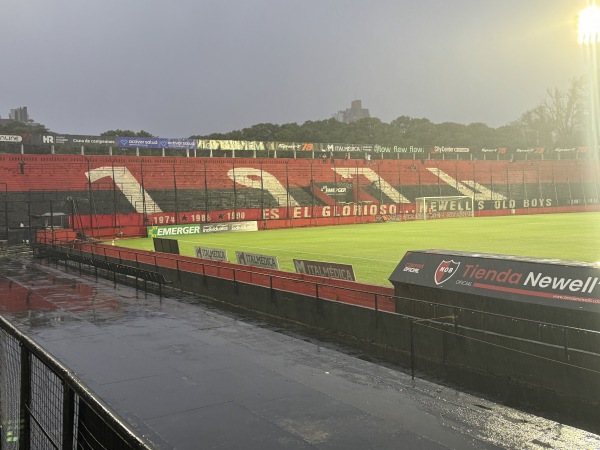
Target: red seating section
[{"x": 68, "y": 172}]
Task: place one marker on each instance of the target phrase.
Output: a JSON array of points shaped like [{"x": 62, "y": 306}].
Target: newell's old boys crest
[{"x": 445, "y": 271}]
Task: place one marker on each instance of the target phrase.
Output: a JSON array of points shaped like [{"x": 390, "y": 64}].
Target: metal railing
[
  {"x": 489, "y": 350},
  {"x": 43, "y": 406},
  {"x": 381, "y": 300}
]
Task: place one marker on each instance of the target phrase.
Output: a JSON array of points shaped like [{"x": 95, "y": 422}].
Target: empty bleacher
[{"x": 112, "y": 185}]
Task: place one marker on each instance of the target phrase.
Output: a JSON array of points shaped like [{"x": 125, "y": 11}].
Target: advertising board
[
  {"x": 10, "y": 138},
  {"x": 325, "y": 269},
  {"x": 155, "y": 142},
  {"x": 257, "y": 260},
  {"x": 197, "y": 228},
  {"x": 550, "y": 282},
  {"x": 71, "y": 139},
  {"x": 230, "y": 226},
  {"x": 214, "y": 254}
]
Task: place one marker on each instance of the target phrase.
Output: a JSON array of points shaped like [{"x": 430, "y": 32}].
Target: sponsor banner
[
  {"x": 213, "y": 144},
  {"x": 10, "y": 138},
  {"x": 257, "y": 260},
  {"x": 301, "y": 147},
  {"x": 347, "y": 148},
  {"x": 558, "y": 283},
  {"x": 214, "y": 254},
  {"x": 450, "y": 150},
  {"x": 536, "y": 150},
  {"x": 174, "y": 230},
  {"x": 499, "y": 151},
  {"x": 340, "y": 191},
  {"x": 154, "y": 142},
  {"x": 71, "y": 139},
  {"x": 86, "y": 140},
  {"x": 325, "y": 269},
  {"x": 183, "y": 230},
  {"x": 229, "y": 226},
  {"x": 571, "y": 150},
  {"x": 43, "y": 139},
  {"x": 398, "y": 149}
]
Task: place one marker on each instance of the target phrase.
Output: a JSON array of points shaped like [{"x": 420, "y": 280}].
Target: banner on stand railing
[
  {"x": 325, "y": 269},
  {"x": 214, "y": 254},
  {"x": 257, "y": 260}
]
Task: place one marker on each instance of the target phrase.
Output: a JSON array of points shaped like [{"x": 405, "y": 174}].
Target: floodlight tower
[{"x": 589, "y": 38}]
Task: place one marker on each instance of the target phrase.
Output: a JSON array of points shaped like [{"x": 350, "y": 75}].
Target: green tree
[
  {"x": 565, "y": 111},
  {"x": 131, "y": 133},
  {"x": 418, "y": 132},
  {"x": 364, "y": 131},
  {"x": 557, "y": 121},
  {"x": 15, "y": 127}
]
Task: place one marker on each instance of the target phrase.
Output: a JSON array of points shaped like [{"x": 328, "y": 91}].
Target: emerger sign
[
  {"x": 182, "y": 230},
  {"x": 553, "y": 282}
]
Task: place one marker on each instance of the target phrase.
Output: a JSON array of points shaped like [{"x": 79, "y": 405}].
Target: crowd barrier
[
  {"x": 557, "y": 366},
  {"x": 43, "y": 406}
]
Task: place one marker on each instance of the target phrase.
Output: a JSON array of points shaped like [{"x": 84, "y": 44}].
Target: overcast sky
[{"x": 183, "y": 67}]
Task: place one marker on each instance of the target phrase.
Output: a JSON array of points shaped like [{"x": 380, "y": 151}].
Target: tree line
[{"x": 558, "y": 121}]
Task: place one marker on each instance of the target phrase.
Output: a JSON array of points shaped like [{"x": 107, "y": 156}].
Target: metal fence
[{"x": 43, "y": 406}]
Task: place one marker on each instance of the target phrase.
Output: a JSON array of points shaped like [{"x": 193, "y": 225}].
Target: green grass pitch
[{"x": 375, "y": 249}]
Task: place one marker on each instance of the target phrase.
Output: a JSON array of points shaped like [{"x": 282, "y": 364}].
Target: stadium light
[
  {"x": 589, "y": 25},
  {"x": 589, "y": 38}
]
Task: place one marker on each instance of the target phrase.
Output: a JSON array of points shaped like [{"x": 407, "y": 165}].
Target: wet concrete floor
[{"x": 190, "y": 376}]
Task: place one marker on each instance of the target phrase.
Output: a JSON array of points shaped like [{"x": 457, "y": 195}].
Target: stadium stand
[{"x": 137, "y": 191}]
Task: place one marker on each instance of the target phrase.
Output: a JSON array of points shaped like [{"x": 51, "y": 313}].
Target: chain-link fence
[{"x": 42, "y": 406}]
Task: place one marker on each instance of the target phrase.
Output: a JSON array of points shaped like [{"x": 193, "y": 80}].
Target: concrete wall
[
  {"x": 541, "y": 375},
  {"x": 560, "y": 316}
]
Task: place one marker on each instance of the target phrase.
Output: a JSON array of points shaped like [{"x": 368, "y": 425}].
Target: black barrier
[
  {"x": 119, "y": 268},
  {"x": 493, "y": 353},
  {"x": 43, "y": 403},
  {"x": 166, "y": 245},
  {"x": 554, "y": 283}
]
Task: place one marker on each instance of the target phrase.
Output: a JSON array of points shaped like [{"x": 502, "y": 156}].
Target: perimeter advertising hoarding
[
  {"x": 325, "y": 269},
  {"x": 155, "y": 142},
  {"x": 10, "y": 138},
  {"x": 196, "y": 228},
  {"x": 339, "y": 191},
  {"x": 251, "y": 225},
  {"x": 214, "y": 254},
  {"x": 450, "y": 150},
  {"x": 550, "y": 282},
  {"x": 257, "y": 260},
  {"x": 213, "y": 144},
  {"x": 174, "y": 230},
  {"x": 71, "y": 139}
]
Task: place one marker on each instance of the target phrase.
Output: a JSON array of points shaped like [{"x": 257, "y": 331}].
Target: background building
[
  {"x": 19, "y": 114},
  {"x": 352, "y": 114}
]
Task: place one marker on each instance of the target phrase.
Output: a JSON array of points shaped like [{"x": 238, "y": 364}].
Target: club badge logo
[{"x": 445, "y": 271}]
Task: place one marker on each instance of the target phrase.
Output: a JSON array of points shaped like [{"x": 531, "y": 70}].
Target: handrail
[
  {"x": 317, "y": 284},
  {"x": 72, "y": 384}
]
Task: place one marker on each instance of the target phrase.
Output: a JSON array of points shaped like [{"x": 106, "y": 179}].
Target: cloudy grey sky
[{"x": 183, "y": 67}]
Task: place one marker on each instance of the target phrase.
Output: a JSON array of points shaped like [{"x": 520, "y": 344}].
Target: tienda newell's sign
[{"x": 567, "y": 284}]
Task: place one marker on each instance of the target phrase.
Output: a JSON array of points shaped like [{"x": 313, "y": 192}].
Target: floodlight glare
[{"x": 589, "y": 25}]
